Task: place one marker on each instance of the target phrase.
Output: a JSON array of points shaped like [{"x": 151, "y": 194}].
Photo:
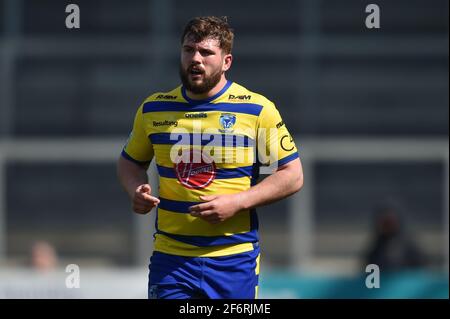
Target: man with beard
[{"x": 206, "y": 240}]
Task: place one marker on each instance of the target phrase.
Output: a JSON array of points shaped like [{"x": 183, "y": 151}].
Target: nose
[{"x": 196, "y": 57}]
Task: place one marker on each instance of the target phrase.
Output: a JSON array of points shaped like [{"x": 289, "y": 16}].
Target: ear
[{"x": 227, "y": 60}]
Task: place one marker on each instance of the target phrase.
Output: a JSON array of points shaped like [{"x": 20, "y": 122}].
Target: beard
[{"x": 208, "y": 83}]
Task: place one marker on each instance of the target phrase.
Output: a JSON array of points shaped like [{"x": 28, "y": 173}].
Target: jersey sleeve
[
  {"x": 275, "y": 144},
  {"x": 138, "y": 147}
]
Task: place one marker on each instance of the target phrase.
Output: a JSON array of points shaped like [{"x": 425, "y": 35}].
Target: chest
[{"x": 203, "y": 123}]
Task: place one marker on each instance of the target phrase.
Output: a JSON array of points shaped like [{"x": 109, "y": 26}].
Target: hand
[
  {"x": 217, "y": 208},
  {"x": 142, "y": 201}
]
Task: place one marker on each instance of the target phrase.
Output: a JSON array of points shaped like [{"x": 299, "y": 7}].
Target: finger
[
  {"x": 212, "y": 219},
  {"x": 204, "y": 213},
  {"x": 208, "y": 216},
  {"x": 143, "y": 209},
  {"x": 142, "y": 201},
  {"x": 147, "y": 195},
  {"x": 149, "y": 198},
  {"x": 145, "y": 188},
  {"x": 200, "y": 207},
  {"x": 208, "y": 197},
  {"x": 144, "y": 204}
]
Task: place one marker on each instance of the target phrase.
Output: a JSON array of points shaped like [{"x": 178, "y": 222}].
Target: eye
[{"x": 206, "y": 52}]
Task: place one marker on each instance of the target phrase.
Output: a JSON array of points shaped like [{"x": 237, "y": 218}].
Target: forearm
[
  {"x": 131, "y": 175},
  {"x": 277, "y": 186}
]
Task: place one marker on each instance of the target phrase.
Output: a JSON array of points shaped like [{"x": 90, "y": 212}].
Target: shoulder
[
  {"x": 268, "y": 114},
  {"x": 240, "y": 94},
  {"x": 169, "y": 96}
]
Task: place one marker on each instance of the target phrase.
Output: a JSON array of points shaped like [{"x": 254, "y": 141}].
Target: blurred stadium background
[{"x": 368, "y": 109}]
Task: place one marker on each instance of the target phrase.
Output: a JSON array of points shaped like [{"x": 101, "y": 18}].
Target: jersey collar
[{"x": 209, "y": 99}]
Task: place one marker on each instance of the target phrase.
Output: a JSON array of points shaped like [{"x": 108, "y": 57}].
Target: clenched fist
[{"x": 143, "y": 202}]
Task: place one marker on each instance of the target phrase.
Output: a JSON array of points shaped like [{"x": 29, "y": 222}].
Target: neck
[{"x": 219, "y": 86}]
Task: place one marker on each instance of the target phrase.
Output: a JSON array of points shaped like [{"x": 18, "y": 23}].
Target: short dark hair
[{"x": 201, "y": 28}]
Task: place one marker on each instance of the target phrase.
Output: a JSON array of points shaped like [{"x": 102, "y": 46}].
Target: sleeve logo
[{"x": 287, "y": 143}]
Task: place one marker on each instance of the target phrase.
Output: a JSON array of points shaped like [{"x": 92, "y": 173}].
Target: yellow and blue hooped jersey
[{"x": 207, "y": 147}]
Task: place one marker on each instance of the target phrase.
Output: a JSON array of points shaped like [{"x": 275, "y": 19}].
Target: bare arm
[
  {"x": 287, "y": 180},
  {"x": 134, "y": 180}
]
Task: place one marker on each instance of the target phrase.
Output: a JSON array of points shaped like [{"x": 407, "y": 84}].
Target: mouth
[{"x": 196, "y": 73}]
